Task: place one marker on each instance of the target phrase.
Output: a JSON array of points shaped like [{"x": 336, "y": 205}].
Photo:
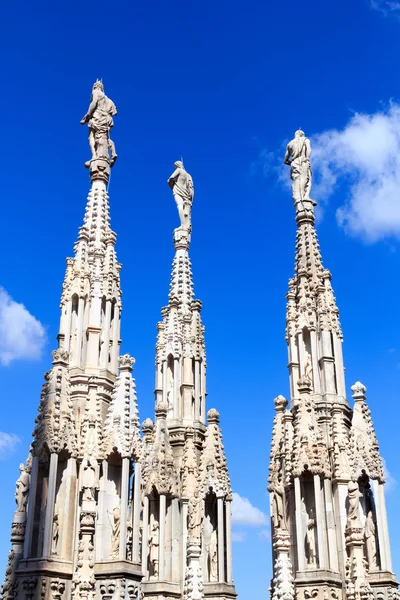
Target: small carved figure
[
  {"x": 278, "y": 505},
  {"x": 116, "y": 528},
  {"x": 89, "y": 485},
  {"x": 308, "y": 370},
  {"x": 154, "y": 542},
  {"x": 211, "y": 547},
  {"x": 370, "y": 538},
  {"x": 56, "y": 534},
  {"x": 297, "y": 156},
  {"x": 181, "y": 184},
  {"x": 195, "y": 515},
  {"x": 311, "y": 548},
  {"x": 354, "y": 502},
  {"x": 22, "y": 489},
  {"x": 99, "y": 118}
]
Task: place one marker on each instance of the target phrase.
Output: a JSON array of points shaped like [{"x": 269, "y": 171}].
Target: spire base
[
  {"x": 181, "y": 238},
  {"x": 99, "y": 169},
  {"x": 305, "y": 211}
]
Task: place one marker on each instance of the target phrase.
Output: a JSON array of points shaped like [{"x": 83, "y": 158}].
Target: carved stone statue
[
  {"x": 308, "y": 370},
  {"x": 154, "y": 542},
  {"x": 211, "y": 547},
  {"x": 354, "y": 502},
  {"x": 311, "y": 547},
  {"x": 278, "y": 505},
  {"x": 22, "y": 489},
  {"x": 195, "y": 515},
  {"x": 89, "y": 483},
  {"x": 370, "y": 539},
  {"x": 56, "y": 534},
  {"x": 181, "y": 184},
  {"x": 116, "y": 528},
  {"x": 100, "y": 120},
  {"x": 297, "y": 156}
]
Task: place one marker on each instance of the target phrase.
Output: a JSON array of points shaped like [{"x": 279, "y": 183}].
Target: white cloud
[
  {"x": 366, "y": 156},
  {"x": 391, "y": 482},
  {"x": 21, "y": 335},
  {"x": 238, "y": 536},
  {"x": 8, "y": 442},
  {"x": 244, "y": 513}
]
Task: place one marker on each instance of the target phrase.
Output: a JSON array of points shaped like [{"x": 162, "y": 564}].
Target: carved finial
[
  {"x": 147, "y": 426},
  {"x": 213, "y": 415},
  {"x": 126, "y": 362},
  {"x": 161, "y": 409},
  {"x": 359, "y": 391},
  {"x": 99, "y": 118},
  {"x": 280, "y": 403}
]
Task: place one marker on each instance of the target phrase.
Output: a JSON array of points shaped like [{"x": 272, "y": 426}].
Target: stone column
[
  {"x": 161, "y": 556},
  {"x": 327, "y": 362},
  {"x": 341, "y": 518},
  {"x": 124, "y": 508},
  {"x": 380, "y": 526},
  {"x": 68, "y": 523},
  {"x": 330, "y": 523},
  {"x": 105, "y": 350},
  {"x": 176, "y": 389},
  {"x": 385, "y": 527},
  {"x": 185, "y": 503},
  {"x": 51, "y": 492},
  {"x": 145, "y": 536},
  {"x": 203, "y": 391},
  {"x": 338, "y": 353},
  {"x": 299, "y": 525},
  {"x": 67, "y": 328},
  {"x": 315, "y": 364},
  {"x": 31, "y": 507},
  {"x": 79, "y": 330},
  {"x": 136, "y": 514},
  {"x": 320, "y": 524},
  {"x": 221, "y": 541},
  {"x": 115, "y": 340},
  {"x": 164, "y": 380},
  {"x": 196, "y": 390},
  {"x": 228, "y": 516},
  {"x": 175, "y": 530}
]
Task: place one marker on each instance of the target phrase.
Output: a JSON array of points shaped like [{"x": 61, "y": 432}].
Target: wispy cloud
[
  {"x": 238, "y": 536},
  {"x": 244, "y": 513},
  {"x": 8, "y": 443},
  {"x": 387, "y": 7},
  {"x": 391, "y": 482},
  {"x": 265, "y": 534},
  {"x": 21, "y": 335}
]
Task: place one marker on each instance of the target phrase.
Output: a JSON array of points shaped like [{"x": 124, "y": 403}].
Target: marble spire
[
  {"x": 329, "y": 528},
  {"x": 76, "y": 530},
  {"x": 186, "y": 489}
]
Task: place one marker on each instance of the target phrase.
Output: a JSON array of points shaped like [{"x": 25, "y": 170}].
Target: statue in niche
[
  {"x": 154, "y": 543},
  {"x": 181, "y": 184},
  {"x": 370, "y": 540},
  {"x": 116, "y": 529},
  {"x": 89, "y": 484},
  {"x": 99, "y": 118},
  {"x": 353, "y": 495},
  {"x": 211, "y": 547},
  {"x": 311, "y": 547},
  {"x": 56, "y": 534},
  {"x": 195, "y": 515},
  {"x": 297, "y": 156},
  {"x": 278, "y": 504},
  {"x": 22, "y": 489},
  {"x": 308, "y": 370}
]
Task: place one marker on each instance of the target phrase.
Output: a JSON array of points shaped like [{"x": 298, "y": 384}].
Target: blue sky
[{"x": 225, "y": 85}]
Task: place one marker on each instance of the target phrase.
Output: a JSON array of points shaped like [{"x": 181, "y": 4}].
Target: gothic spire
[{"x": 91, "y": 294}]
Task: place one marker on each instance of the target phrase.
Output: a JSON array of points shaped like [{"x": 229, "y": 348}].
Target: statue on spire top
[
  {"x": 297, "y": 156},
  {"x": 181, "y": 184},
  {"x": 99, "y": 118}
]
